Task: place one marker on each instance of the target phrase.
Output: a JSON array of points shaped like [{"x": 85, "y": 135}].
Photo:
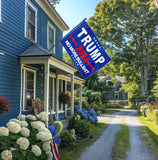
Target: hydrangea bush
[
  {"x": 26, "y": 138},
  {"x": 88, "y": 114}
]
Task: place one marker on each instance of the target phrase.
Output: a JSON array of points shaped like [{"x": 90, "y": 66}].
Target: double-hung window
[
  {"x": 50, "y": 38},
  {"x": 30, "y": 21},
  {"x": 0, "y": 12}
]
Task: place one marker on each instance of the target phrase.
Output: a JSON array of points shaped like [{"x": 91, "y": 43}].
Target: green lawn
[
  {"x": 73, "y": 153},
  {"x": 149, "y": 133}
]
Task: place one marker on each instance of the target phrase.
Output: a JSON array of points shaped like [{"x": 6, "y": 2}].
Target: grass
[
  {"x": 149, "y": 133},
  {"x": 74, "y": 152},
  {"x": 122, "y": 143}
]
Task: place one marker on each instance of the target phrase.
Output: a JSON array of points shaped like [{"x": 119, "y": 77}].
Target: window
[
  {"x": 116, "y": 94},
  {"x": 109, "y": 83},
  {"x": 0, "y": 11},
  {"x": 30, "y": 21},
  {"x": 50, "y": 37},
  {"x": 52, "y": 94},
  {"x": 29, "y": 88}
]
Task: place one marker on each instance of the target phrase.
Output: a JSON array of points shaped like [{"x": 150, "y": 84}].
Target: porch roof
[{"x": 36, "y": 54}]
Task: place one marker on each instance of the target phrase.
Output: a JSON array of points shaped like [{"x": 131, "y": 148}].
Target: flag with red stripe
[{"x": 55, "y": 150}]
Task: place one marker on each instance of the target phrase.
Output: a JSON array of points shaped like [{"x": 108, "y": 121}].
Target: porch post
[
  {"x": 72, "y": 94},
  {"x": 80, "y": 96},
  {"x": 57, "y": 95},
  {"x": 65, "y": 104},
  {"x": 46, "y": 87}
]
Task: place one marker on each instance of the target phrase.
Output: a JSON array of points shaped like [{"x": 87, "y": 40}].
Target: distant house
[
  {"x": 115, "y": 95},
  {"x": 31, "y": 64}
]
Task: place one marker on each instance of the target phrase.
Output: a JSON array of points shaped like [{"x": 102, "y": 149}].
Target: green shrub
[
  {"x": 76, "y": 100},
  {"x": 82, "y": 128},
  {"x": 67, "y": 138},
  {"x": 112, "y": 105}
]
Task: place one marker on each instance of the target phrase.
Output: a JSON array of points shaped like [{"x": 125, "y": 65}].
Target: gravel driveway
[{"x": 101, "y": 149}]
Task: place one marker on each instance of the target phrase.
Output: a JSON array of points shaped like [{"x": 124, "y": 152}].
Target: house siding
[{"x": 13, "y": 43}]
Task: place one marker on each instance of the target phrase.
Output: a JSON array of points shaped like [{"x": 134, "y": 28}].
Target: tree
[{"x": 129, "y": 29}]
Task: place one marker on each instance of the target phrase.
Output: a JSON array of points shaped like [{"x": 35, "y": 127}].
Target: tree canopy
[{"x": 128, "y": 30}]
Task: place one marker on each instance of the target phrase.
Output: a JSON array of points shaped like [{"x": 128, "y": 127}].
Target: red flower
[
  {"x": 4, "y": 105},
  {"x": 64, "y": 97}
]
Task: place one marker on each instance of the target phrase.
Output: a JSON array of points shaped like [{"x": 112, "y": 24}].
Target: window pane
[
  {"x": 31, "y": 23},
  {"x": 51, "y": 38},
  {"x": 29, "y": 89},
  {"x": 31, "y": 15},
  {"x": 50, "y": 92},
  {"x": 31, "y": 31}
]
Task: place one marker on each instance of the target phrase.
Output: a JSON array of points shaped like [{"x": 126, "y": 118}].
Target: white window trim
[
  {"x": 52, "y": 27},
  {"x": 27, "y": 2},
  {"x": 28, "y": 69},
  {"x": 0, "y": 12}
]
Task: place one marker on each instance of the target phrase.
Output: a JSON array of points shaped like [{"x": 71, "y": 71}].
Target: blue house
[
  {"x": 31, "y": 64},
  {"x": 116, "y": 95}
]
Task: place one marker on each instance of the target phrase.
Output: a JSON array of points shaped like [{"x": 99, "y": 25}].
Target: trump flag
[{"x": 85, "y": 50}]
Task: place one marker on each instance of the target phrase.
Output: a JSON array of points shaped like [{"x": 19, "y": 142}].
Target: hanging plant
[
  {"x": 4, "y": 105},
  {"x": 64, "y": 97}
]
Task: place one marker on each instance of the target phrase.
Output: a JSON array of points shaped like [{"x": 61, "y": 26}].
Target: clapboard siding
[{"x": 13, "y": 43}]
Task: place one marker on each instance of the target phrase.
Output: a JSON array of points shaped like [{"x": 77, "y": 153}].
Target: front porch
[{"x": 50, "y": 76}]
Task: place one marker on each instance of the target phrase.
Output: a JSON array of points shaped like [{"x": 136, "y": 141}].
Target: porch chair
[{"x": 38, "y": 106}]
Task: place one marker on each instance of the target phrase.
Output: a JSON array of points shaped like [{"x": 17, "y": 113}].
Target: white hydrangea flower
[
  {"x": 44, "y": 130},
  {"x": 14, "y": 127},
  {"x": 23, "y": 123},
  {"x": 38, "y": 125},
  {"x": 25, "y": 132},
  {"x": 49, "y": 155},
  {"x": 44, "y": 136},
  {"x": 36, "y": 150},
  {"x": 14, "y": 120},
  {"x": 31, "y": 117},
  {"x": 4, "y": 131},
  {"x": 6, "y": 155},
  {"x": 46, "y": 146},
  {"x": 21, "y": 117},
  {"x": 23, "y": 142},
  {"x": 43, "y": 116}
]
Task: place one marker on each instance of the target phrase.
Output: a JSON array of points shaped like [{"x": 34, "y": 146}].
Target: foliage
[
  {"x": 59, "y": 126},
  {"x": 67, "y": 138},
  {"x": 69, "y": 153},
  {"x": 149, "y": 109},
  {"x": 112, "y": 105},
  {"x": 4, "y": 105},
  {"x": 128, "y": 30},
  {"x": 93, "y": 97},
  {"x": 64, "y": 97},
  {"x": 149, "y": 133},
  {"x": 88, "y": 114},
  {"x": 82, "y": 128},
  {"x": 76, "y": 100},
  {"x": 26, "y": 137}
]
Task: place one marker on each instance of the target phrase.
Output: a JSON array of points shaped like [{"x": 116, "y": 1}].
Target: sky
[{"x": 74, "y": 11}]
